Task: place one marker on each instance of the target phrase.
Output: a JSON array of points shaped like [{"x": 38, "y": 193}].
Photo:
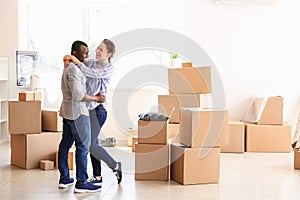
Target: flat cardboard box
[
  {"x": 46, "y": 165},
  {"x": 167, "y": 102},
  {"x": 272, "y": 112},
  {"x": 51, "y": 121},
  {"x": 189, "y": 80},
  {"x": 152, "y": 132},
  {"x": 187, "y": 64},
  {"x": 173, "y": 132},
  {"x": 236, "y": 138},
  {"x": 71, "y": 159},
  {"x": 296, "y": 159},
  {"x": 195, "y": 165},
  {"x": 268, "y": 138},
  {"x": 204, "y": 127},
  {"x": 152, "y": 162},
  {"x": 27, "y": 150},
  {"x": 24, "y": 117},
  {"x": 30, "y": 96}
]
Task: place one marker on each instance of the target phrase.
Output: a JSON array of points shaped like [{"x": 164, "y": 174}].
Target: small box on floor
[
  {"x": 46, "y": 164},
  {"x": 194, "y": 165}
]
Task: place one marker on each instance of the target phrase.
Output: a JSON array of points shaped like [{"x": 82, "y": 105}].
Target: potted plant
[{"x": 173, "y": 57}]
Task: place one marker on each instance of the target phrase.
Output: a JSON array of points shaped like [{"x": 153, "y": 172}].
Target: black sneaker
[
  {"x": 95, "y": 181},
  {"x": 64, "y": 183},
  {"x": 87, "y": 187},
  {"x": 118, "y": 172}
]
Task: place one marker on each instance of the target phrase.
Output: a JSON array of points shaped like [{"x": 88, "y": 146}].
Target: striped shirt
[{"x": 98, "y": 79}]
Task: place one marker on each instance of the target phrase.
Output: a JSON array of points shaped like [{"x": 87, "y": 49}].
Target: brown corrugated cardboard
[
  {"x": 189, "y": 80},
  {"x": 46, "y": 164},
  {"x": 187, "y": 64},
  {"x": 51, "y": 121},
  {"x": 296, "y": 159},
  {"x": 167, "y": 102},
  {"x": 28, "y": 149},
  {"x": 134, "y": 142},
  {"x": 272, "y": 112},
  {"x": 71, "y": 159},
  {"x": 204, "y": 127},
  {"x": 236, "y": 138},
  {"x": 26, "y": 96},
  {"x": 152, "y": 162},
  {"x": 24, "y": 117},
  {"x": 268, "y": 138},
  {"x": 152, "y": 132},
  {"x": 30, "y": 96},
  {"x": 195, "y": 165}
]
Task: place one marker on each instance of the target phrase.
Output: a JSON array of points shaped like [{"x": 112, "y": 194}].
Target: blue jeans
[
  {"x": 78, "y": 131},
  {"x": 97, "y": 153}
]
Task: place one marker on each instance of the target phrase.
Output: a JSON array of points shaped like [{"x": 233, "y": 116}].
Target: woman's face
[{"x": 102, "y": 52}]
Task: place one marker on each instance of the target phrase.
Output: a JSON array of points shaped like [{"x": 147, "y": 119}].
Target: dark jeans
[
  {"x": 97, "y": 153},
  {"x": 77, "y": 131}
]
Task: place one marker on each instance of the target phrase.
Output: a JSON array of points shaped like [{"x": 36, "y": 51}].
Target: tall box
[
  {"x": 27, "y": 150},
  {"x": 24, "y": 117},
  {"x": 236, "y": 138},
  {"x": 166, "y": 104},
  {"x": 152, "y": 132},
  {"x": 268, "y": 138},
  {"x": 204, "y": 127},
  {"x": 51, "y": 121},
  {"x": 195, "y": 165},
  {"x": 151, "y": 162},
  {"x": 189, "y": 80}
]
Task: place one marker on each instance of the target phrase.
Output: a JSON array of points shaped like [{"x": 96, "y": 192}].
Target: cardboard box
[
  {"x": 152, "y": 132},
  {"x": 187, "y": 64},
  {"x": 46, "y": 164},
  {"x": 167, "y": 102},
  {"x": 173, "y": 133},
  {"x": 189, "y": 80},
  {"x": 24, "y": 117},
  {"x": 296, "y": 159},
  {"x": 195, "y": 165},
  {"x": 51, "y": 121},
  {"x": 30, "y": 96},
  {"x": 152, "y": 162},
  {"x": 28, "y": 149},
  {"x": 71, "y": 159},
  {"x": 236, "y": 138},
  {"x": 204, "y": 127},
  {"x": 272, "y": 112},
  {"x": 268, "y": 138}
]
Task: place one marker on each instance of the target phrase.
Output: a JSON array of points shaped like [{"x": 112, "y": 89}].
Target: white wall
[{"x": 254, "y": 47}]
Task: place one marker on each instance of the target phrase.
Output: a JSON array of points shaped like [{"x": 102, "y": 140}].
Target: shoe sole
[
  {"x": 63, "y": 186},
  {"x": 76, "y": 190}
]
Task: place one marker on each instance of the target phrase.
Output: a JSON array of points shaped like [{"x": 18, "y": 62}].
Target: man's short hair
[{"x": 76, "y": 46}]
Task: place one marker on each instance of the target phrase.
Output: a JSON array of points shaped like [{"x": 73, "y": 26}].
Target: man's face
[{"x": 82, "y": 54}]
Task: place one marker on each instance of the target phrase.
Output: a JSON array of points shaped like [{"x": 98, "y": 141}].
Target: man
[{"x": 76, "y": 123}]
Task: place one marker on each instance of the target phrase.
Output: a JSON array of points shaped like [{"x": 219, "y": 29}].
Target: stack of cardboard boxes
[
  {"x": 196, "y": 158},
  {"x": 268, "y": 133},
  {"x": 29, "y": 145}
]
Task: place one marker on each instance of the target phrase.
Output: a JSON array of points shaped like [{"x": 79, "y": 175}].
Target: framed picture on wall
[{"x": 26, "y": 63}]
